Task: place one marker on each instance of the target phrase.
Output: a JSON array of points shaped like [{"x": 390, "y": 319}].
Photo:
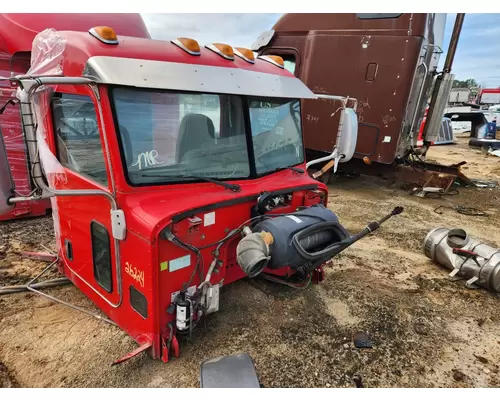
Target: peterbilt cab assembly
[
  {"x": 173, "y": 170},
  {"x": 17, "y": 32}
]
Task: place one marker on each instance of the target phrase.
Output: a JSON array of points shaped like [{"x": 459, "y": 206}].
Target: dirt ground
[{"x": 427, "y": 331}]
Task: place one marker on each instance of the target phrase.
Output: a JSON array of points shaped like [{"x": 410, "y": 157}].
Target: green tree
[{"x": 467, "y": 83}]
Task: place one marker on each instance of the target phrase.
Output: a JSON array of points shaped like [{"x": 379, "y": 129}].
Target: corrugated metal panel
[
  {"x": 446, "y": 132},
  {"x": 434, "y": 123}
]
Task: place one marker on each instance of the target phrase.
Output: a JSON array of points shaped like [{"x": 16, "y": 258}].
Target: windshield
[
  {"x": 171, "y": 137},
  {"x": 276, "y": 134}
]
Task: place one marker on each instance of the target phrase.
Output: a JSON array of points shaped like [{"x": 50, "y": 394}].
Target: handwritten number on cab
[{"x": 134, "y": 273}]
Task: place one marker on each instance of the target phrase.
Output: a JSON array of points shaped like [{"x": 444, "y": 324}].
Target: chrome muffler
[{"x": 465, "y": 257}]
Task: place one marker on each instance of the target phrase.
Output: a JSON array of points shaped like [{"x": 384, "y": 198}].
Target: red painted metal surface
[
  {"x": 494, "y": 95},
  {"x": 486, "y": 90},
  {"x": 149, "y": 209},
  {"x": 318, "y": 276},
  {"x": 43, "y": 256},
  {"x": 10, "y": 126},
  {"x": 79, "y": 48},
  {"x": 133, "y": 353},
  {"x": 17, "y": 32}
]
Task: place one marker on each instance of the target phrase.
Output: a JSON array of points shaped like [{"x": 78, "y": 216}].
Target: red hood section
[
  {"x": 17, "y": 31},
  {"x": 153, "y": 209}
]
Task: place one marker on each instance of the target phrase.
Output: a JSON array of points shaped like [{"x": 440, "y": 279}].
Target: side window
[
  {"x": 379, "y": 16},
  {"x": 101, "y": 256},
  {"x": 77, "y": 136},
  {"x": 289, "y": 60}
]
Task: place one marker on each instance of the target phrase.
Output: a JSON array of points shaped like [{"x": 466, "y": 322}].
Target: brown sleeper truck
[{"x": 386, "y": 61}]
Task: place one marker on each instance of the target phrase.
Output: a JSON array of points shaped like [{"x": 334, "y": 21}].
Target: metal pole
[
  {"x": 452, "y": 49},
  {"x": 457, "y": 28}
]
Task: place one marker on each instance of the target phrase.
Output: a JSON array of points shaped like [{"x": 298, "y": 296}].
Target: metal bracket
[
  {"x": 118, "y": 224},
  {"x": 169, "y": 346},
  {"x": 453, "y": 275},
  {"x": 133, "y": 353},
  {"x": 470, "y": 284},
  {"x": 263, "y": 40},
  {"x": 318, "y": 275}
]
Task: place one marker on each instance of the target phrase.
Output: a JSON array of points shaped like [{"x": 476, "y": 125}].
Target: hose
[
  {"x": 299, "y": 239},
  {"x": 41, "y": 285},
  {"x": 470, "y": 211},
  {"x": 33, "y": 287},
  {"x": 197, "y": 250},
  {"x": 275, "y": 279}
]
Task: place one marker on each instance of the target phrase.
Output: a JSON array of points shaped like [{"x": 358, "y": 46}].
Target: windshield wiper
[
  {"x": 294, "y": 169},
  {"x": 231, "y": 186}
]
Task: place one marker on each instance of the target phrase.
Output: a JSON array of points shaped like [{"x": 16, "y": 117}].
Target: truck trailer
[
  {"x": 459, "y": 96},
  {"x": 489, "y": 96}
]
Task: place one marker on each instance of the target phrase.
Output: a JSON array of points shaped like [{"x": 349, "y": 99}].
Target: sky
[{"x": 478, "y": 52}]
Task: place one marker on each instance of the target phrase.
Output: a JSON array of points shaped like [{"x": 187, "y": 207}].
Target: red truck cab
[{"x": 158, "y": 157}]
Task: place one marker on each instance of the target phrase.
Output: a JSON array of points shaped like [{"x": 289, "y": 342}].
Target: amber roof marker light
[
  {"x": 245, "y": 54},
  {"x": 105, "y": 34},
  {"x": 222, "y": 49},
  {"x": 189, "y": 45},
  {"x": 275, "y": 60}
]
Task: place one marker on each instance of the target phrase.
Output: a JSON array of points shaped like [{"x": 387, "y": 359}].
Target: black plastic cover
[
  {"x": 234, "y": 371},
  {"x": 283, "y": 228}
]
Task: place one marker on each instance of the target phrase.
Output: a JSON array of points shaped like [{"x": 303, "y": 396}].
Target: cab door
[{"x": 82, "y": 223}]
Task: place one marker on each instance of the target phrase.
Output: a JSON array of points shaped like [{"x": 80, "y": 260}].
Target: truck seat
[{"x": 195, "y": 132}]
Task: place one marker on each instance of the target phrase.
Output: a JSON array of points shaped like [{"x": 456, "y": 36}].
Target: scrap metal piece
[
  {"x": 358, "y": 381},
  {"x": 485, "y": 184},
  {"x": 133, "y": 353},
  {"x": 324, "y": 169},
  {"x": 33, "y": 287},
  {"x": 42, "y": 256},
  {"x": 470, "y": 284},
  {"x": 234, "y": 371},
  {"x": 417, "y": 172},
  {"x": 454, "y": 273},
  {"x": 441, "y": 181},
  {"x": 362, "y": 341}
]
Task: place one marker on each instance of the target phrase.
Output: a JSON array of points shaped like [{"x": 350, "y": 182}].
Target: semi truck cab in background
[{"x": 386, "y": 61}]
